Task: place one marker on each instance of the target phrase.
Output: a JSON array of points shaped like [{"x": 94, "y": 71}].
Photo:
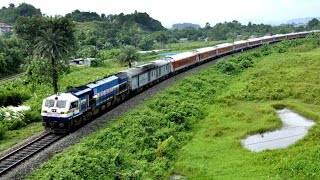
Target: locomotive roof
[
  {"x": 139, "y": 70},
  {"x": 63, "y": 96},
  {"x": 102, "y": 81},
  {"x": 77, "y": 91},
  {"x": 148, "y": 66},
  {"x": 121, "y": 75}
]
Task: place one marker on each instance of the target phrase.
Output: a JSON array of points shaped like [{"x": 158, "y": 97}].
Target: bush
[
  {"x": 168, "y": 148},
  {"x": 97, "y": 63},
  {"x": 33, "y": 116},
  {"x": 2, "y": 131},
  {"x": 227, "y": 67}
]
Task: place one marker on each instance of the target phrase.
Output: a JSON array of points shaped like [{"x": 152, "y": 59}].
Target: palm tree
[
  {"x": 51, "y": 45},
  {"x": 129, "y": 54}
]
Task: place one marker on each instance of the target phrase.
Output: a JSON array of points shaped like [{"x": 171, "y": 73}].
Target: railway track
[
  {"x": 14, "y": 158},
  {"x": 10, "y": 78}
]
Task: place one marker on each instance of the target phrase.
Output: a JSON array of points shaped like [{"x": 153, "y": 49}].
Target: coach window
[{"x": 74, "y": 105}]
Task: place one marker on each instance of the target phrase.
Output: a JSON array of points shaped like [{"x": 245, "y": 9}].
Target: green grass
[
  {"x": 13, "y": 137},
  {"x": 194, "y": 128},
  {"x": 247, "y": 107}
]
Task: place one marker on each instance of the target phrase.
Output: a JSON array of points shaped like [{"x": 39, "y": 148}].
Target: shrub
[
  {"x": 97, "y": 63},
  {"x": 227, "y": 67},
  {"x": 2, "y": 131},
  {"x": 167, "y": 148}
]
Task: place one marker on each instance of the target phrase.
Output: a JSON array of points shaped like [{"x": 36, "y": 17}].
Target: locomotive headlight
[{"x": 61, "y": 125}]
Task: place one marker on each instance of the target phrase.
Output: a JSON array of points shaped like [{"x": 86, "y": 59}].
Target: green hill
[{"x": 10, "y": 14}]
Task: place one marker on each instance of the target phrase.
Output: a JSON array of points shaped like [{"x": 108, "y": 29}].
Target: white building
[{"x": 81, "y": 62}]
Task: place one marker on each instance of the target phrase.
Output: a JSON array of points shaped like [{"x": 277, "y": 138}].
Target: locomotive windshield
[
  {"x": 49, "y": 103},
  {"x": 52, "y": 103},
  {"x": 61, "y": 104}
]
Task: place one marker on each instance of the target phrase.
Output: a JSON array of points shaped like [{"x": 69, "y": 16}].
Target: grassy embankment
[
  {"x": 194, "y": 128},
  {"x": 31, "y": 94}
]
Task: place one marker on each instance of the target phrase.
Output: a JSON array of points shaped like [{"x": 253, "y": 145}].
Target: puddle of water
[{"x": 294, "y": 127}]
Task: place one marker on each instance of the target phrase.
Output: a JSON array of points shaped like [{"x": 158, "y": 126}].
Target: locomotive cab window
[
  {"x": 49, "y": 103},
  {"x": 74, "y": 105},
  {"x": 61, "y": 104}
]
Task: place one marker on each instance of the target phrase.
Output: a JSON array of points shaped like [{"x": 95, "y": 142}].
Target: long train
[{"x": 66, "y": 111}]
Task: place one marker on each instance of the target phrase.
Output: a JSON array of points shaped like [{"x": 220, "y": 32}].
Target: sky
[{"x": 169, "y": 12}]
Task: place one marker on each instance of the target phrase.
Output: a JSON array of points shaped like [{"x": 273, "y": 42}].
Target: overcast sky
[{"x": 169, "y": 12}]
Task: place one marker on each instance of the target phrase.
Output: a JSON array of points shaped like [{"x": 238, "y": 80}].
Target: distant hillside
[
  {"x": 79, "y": 16},
  {"x": 185, "y": 26},
  {"x": 301, "y": 20},
  {"x": 9, "y": 15},
  {"x": 142, "y": 20}
]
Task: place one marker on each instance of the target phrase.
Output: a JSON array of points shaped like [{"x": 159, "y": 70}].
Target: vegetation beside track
[
  {"x": 30, "y": 91},
  {"x": 194, "y": 128},
  {"x": 27, "y": 92}
]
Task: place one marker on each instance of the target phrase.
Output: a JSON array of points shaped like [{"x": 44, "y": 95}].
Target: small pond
[{"x": 294, "y": 127}]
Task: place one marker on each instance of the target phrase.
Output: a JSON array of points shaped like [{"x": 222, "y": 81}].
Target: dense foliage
[
  {"x": 84, "y": 16},
  {"x": 29, "y": 28},
  {"x": 12, "y": 55},
  {"x": 185, "y": 26},
  {"x": 50, "y": 39},
  {"x": 9, "y": 15}
]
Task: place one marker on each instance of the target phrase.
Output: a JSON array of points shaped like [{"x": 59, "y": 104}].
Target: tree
[
  {"x": 313, "y": 23},
  {"x": 207, "y": 26},
  {"x": 146, "y": 43},
  {"x": 11, "y": 55},
  {"x": 11, "y": 14},
  {"x": 48, "y": 38},
  {"x": 128, "y": 55},
  {"x": 51, "y": 45},
  {"x": 79, "y": 16}
]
